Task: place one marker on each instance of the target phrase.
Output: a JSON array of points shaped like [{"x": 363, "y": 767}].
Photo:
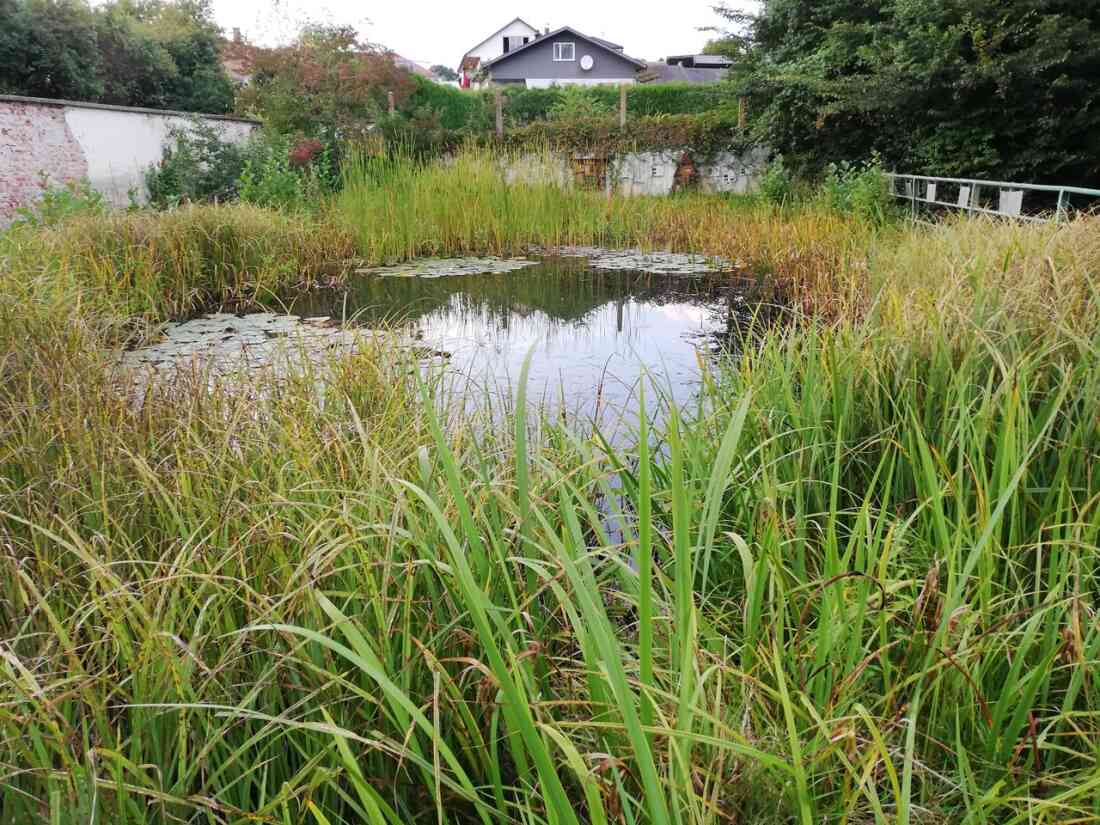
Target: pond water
[
  {"x": 591, "y": 330},
  {"x": 594, "y": 322}
]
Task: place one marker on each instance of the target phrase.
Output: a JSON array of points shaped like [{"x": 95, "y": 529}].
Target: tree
[
  {"x": 137, "y": 70},
  {"x": 185, "y": 39},
  {"x": 153, "y": 53},
  {"x": 327, "y": 84},
  {"x": 444, "y": 73},
  {"x": 997, "y": 88},
  {"x": 48, "y": 49}
]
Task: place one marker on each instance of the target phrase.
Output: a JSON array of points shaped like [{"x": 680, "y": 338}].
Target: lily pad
[
  {"x": 448, "y": 267},
  {"x": 225, "y": 345},
  {"x": 636, "y": 260}
]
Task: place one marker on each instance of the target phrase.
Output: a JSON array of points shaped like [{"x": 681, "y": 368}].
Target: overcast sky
[{"x": 434, "y": 32}]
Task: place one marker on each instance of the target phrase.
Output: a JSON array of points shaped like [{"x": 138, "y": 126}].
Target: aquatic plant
[{"x": 856, "y": 583}]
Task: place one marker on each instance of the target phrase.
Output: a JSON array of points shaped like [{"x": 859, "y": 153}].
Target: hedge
[
  {"x": 705, "y": 134},
  {"x": 475, "y": 110},
  {"x": 456, "y": 109}
]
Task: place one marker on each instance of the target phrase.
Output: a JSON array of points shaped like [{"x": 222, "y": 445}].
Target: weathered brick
[{"x": 34, "y": 139}]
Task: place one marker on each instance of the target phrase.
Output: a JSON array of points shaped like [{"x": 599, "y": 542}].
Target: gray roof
[
  {"x": 595, "y": 41},
  {"x": 663, "y": 73},
  {"x": 608, "y": 43}
]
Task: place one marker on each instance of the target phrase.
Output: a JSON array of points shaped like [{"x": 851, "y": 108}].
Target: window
[{"x": 565, "y": 52}]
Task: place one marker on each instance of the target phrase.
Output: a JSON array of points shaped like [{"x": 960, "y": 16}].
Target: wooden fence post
[
  {"x": 500, "y": 113},
  {"x": 742, "y": 112},
  {"x": 393, "y": 105},
  {"x": 622, "y": 106}
]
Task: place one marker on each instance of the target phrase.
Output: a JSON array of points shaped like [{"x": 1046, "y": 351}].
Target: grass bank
[{"x": 857, "y": 584}]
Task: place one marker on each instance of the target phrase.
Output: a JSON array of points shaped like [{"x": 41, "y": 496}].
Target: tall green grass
[
  {"x": 857, "y": 582},
  {"x": 399, "y": 208}
]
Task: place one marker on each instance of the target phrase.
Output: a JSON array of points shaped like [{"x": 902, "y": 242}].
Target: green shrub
[
  {"x": 455, "y": 108},
  {"x": 705, "y": 134},
  {"x": 576, "y": 102},
  {"x": 859, "y": 189},
  {"x": 60, "y": 202},
  {"x": 199, "y": 166},
  {"x": 476, "y": 111},
  {"x": 283, "y": 174},
  {"x": 777, "y": 183}
]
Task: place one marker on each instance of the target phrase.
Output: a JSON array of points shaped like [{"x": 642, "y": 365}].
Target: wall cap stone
[{"x": 63, "y": 104}]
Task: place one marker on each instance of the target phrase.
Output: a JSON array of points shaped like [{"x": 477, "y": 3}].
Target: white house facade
[{"x": 515, "y": 35}]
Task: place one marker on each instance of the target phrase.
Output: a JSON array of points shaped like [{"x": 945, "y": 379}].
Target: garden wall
[
  {"x": 61, "y": 141},
  {"x": 644, "y": 173}
]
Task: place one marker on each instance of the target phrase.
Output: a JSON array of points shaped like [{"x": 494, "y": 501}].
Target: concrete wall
[
  {"x": 654, "y": 173},
  {"x": 111, "y": 146},
  {"x": 647, "y": 173}
]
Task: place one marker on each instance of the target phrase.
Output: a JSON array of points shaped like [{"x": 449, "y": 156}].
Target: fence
[{"x": 989, "y": 197}]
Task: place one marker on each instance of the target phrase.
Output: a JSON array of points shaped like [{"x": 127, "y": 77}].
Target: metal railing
[{"x": 922, "y": 190}]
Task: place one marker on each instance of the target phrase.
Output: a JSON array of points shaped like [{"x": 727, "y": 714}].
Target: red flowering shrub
[
  {"x": 327, "y": 84},
  {"x": 304, "y": 151}
]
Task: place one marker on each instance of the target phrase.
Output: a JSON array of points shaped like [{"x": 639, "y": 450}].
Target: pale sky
[{"x": 435, "y": 32}]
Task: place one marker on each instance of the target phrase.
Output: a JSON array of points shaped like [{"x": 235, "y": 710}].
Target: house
[
  {"x": 515, "y": 35},
  {"x": 688, "y": 68},
  {"x": 565, "y": 57}
]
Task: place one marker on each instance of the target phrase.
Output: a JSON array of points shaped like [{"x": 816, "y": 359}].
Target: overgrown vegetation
[
  {"x": 327, "y": 84},
  {"x": 474, "y": 111},
  {"x": 856, "y": 583},
  {"x": 996, "y": 89},
  {"x": 268, "y": 169},
  {"x": 161, "y": 54},
  {"x": 60, "y": 202}
]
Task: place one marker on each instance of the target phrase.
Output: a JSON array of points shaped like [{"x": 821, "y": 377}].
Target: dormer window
[{"x": 565, "y": 52}]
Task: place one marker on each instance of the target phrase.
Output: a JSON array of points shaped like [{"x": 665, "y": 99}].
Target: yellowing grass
[{"x": 858, "y": 583}]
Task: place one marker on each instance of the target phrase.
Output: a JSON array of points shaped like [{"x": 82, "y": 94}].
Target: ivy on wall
[{"x": 705, "y": 135}]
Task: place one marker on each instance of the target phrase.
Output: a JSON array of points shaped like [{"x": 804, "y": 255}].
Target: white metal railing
[{"x": 922, "y": 190}]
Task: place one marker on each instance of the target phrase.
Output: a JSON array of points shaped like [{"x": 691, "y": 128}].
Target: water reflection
[{"x": 592, "y": 333}]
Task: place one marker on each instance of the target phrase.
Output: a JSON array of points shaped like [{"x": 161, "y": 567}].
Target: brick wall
[
  {"x": 34, "y": 140},
  {"x": 109, "y": 146}
]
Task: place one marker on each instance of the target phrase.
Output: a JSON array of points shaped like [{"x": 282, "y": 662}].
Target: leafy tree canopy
[
  {"x": 156, "y": 53},
  {"x": 993, "y": 88},
  {"x": 327, "y": 84},
  {"x": 444, "y": 72}
]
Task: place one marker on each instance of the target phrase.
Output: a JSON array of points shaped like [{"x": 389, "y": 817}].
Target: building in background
[
  {"x": 688, "y": 68},
  {"x": 565, "y": 57},
  {"x": 515, "y": 35}
]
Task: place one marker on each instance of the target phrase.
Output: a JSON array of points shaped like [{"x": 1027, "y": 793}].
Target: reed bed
[
  {"x": 857, "y": 582},
  {"x": 402, "y": 209}
]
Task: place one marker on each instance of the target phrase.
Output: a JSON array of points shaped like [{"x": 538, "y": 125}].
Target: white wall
[
  {"x": 546, "y": 83},
  {"x": 49, "y": 143},
  {"x": 120, "y": 145},
  {"x": 494, "y": 46}
]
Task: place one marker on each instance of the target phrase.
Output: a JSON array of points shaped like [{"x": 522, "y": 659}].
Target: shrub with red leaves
[{"x": 304, "y": 151}]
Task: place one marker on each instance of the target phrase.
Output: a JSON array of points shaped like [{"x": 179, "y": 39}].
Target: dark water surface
[{"x": 592, "y": 333}]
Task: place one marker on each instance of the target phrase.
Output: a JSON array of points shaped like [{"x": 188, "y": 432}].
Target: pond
[{"x": 592, "y": 320}]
